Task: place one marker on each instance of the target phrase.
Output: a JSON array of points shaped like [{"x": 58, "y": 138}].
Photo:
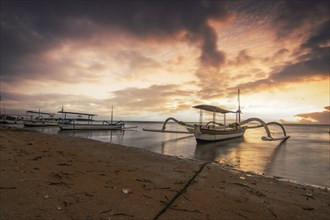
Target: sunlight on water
[{"x": 304, "y": 157}]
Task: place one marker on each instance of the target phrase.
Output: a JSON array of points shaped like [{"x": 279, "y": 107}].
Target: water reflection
[
  {"x": 181, "y": 145},
  {"x": 279, "y": 151},
  {"x": 214, "y": 151},
  {"x": 111, "y": 136}
]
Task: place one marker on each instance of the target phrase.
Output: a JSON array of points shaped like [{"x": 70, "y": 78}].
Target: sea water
[{"x": 304, "y": 157}]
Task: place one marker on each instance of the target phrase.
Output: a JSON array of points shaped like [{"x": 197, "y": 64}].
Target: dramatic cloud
[
  {"x": 313, "y": 65},
  {"x": 296, "y": 14},
  {"x": 29, "y": 28},
  {"x": 159, "y": 56},
  {"x": 316, "y": 117}
]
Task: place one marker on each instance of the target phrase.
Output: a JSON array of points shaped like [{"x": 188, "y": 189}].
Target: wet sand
[{"x": 60, "y": 177}]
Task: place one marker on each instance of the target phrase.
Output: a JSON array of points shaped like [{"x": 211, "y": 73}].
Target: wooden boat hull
[
  {"x": 39, "y": 124},
  {"x": 209, "y": 135},
  {"x": 89, "y": 127}
]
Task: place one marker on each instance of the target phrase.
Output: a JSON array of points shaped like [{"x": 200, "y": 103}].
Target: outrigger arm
[
  {"x": 265, "y": 125},
  {"x": 163, "y": 130}
]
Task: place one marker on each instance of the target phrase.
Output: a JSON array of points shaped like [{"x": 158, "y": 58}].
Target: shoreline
[
  {"x": 224, "y": 165},
  {"x": 47, "y": 176}
]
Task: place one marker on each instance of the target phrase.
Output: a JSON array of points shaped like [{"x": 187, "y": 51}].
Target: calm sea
[{"x": 304, "y": 158}]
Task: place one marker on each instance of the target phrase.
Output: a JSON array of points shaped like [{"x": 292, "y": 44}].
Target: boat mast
[
  {"x": 239, "y": 107},
  {"x": 111, "y": 113}
]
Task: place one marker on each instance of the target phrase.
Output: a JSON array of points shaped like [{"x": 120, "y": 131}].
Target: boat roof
[
  {"x": 212, "y": 108},
  {"x": 77, "y": 113},
  {"x": 41, "y": 113}
]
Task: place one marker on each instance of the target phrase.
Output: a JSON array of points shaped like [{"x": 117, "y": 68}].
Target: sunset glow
[{"x": 156, "y": 59}]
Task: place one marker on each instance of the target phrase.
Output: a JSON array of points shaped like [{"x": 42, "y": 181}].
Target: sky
[{"x": 156, "y": 59}]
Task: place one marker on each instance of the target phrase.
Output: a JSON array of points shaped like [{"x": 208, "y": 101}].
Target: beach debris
[
  {"x": 59, "y": 208},
  {"x": 64, "y": 164},
  {"x": 185, "y": 210},
  {"x": 242, "y": 177},
  {"x": 106, "y": 211},
  {"x": 229, "y": 165},
  {"x": 307, "y": 208},
  {"x": 179, "y": 182},
  {"x": 58, "y": 183},
  {"x": 127, "y": 191},
  {"x": 149, "y": 197},
  {"x": 9, "y": 187},
  {"x": 242, "y": 184},
  {"x": 37, "y": 158},
  {"x": 309, "y": 194},
  {"x": 144, "y": 180},
  {"x": 46, "y": 196},
  {"x": 122, "y": 214},
  {"x": 278, "y": 177},
  {"x": 80, "y": 193}
]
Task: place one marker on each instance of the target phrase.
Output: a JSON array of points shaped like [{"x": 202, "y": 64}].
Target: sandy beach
[{"x": 60, "y": 177}]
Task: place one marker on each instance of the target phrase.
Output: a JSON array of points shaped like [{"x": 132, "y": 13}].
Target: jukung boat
[
  {"x": 10, "y": 119},
  {"x": 214, "y": 131},
  {"x": 39, "y": 119},
  {"x": 88, "y": 123}
]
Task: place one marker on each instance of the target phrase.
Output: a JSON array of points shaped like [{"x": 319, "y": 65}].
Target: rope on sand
[{"x": 180, "y": 192}]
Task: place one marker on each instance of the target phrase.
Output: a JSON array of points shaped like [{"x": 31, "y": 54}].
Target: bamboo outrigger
[
  {"x": 39, "y": 119},
  {"x": 89, "y": 123},
  {"x": 214, "y": 131}
]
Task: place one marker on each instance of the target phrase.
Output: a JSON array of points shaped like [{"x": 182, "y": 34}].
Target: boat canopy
[
  {"x": 77, "y": 113},
  {"x": 41, "y": 113},
  {"x": 212, "y": 108}
]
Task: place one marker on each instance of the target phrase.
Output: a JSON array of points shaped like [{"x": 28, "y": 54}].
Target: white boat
[
  {"x": 80, "y": 123},
  {"x": 214, "y": 131},
  {"x": 39, "y": 119},
  {"x": 10, "y": 119}
]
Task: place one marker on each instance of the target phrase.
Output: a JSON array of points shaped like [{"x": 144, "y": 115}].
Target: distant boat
[
  {"x": 39, "y": 119},
  {"x": 214, "y": 131},
  {"x": 10, "y": 119},
  {"x": 79, "y": 123}
]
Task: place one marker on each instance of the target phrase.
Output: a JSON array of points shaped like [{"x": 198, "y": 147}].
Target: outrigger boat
[
  {"x": 39, "y": 119},
  {"x": 214, "y": 131},
  {"x": 10, "y": 119},
  {"x": 89, "y": 123}
]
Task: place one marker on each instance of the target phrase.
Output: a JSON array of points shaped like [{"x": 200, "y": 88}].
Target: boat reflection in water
[
  {"x": 111, "y": 136},
  {"x": 214, "y": 151},
  {"x": 246, "y": 153}
]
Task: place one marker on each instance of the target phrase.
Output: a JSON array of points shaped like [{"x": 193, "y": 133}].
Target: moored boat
[
  {"x": 79, "y": 123},
  {"x": 39, "y": 119},
  {"x": 214, "y": 131}
]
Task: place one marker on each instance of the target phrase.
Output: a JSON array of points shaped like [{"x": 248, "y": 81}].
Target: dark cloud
[
  {"x": 211, "y": 56},
  {"x": 316, "y": 69},
  {"x": 317, "y": 117},
  {"x": 295, "y": 14},
  {"x": 242, "y": 58},
  {"x": 31, "y": 27},
  {"x": 311, "y": 65},
  {"x": 320, "y": 38}
]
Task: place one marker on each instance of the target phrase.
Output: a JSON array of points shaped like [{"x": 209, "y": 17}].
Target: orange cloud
[{"x": 316, "y": 117}]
